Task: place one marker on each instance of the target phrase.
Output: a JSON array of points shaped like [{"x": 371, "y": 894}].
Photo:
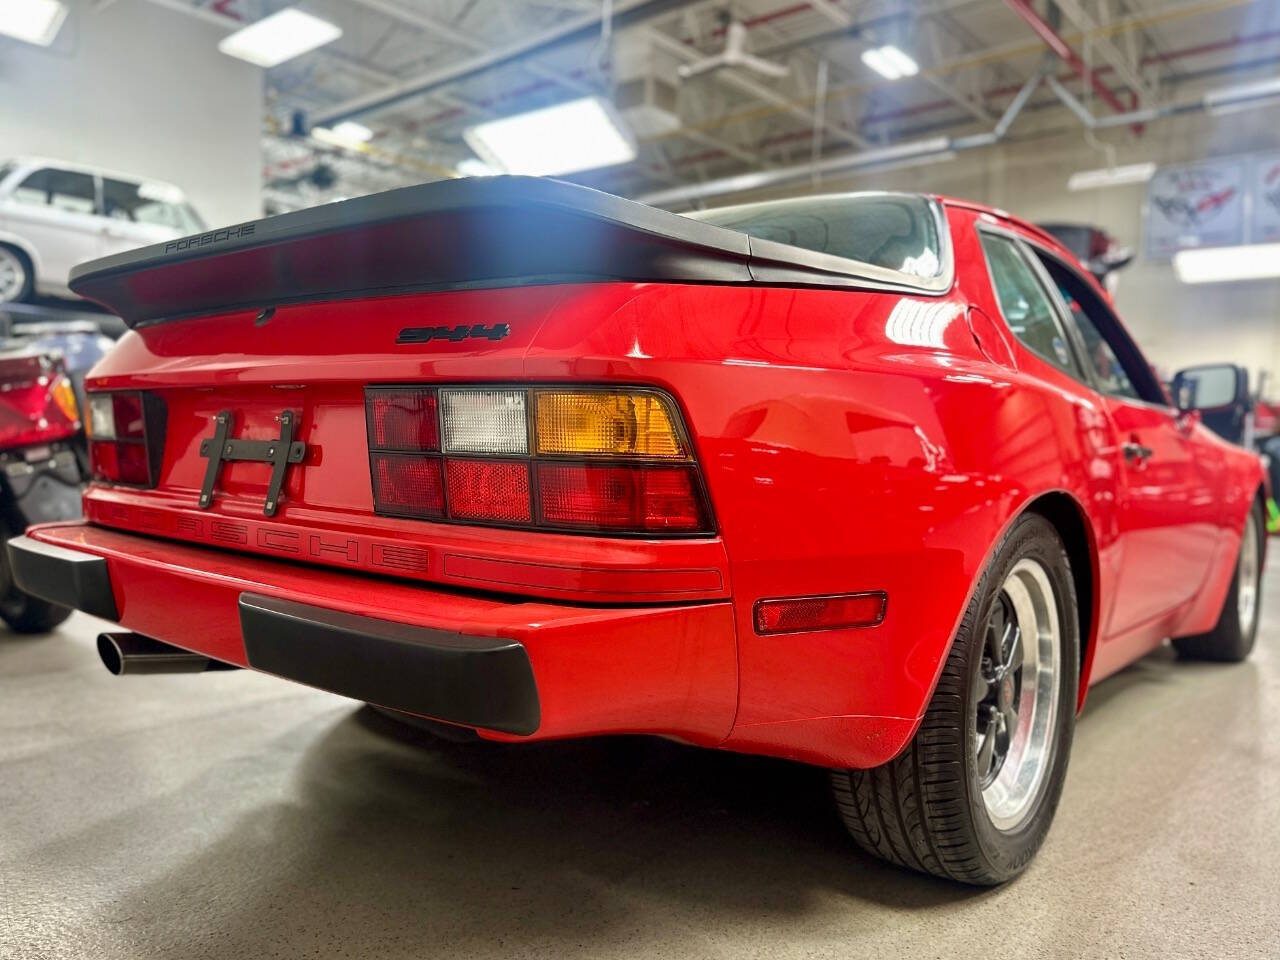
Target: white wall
[{"x": 144, "y": 90}]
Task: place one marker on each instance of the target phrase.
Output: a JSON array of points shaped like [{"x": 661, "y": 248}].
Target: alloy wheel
[
  {"x": 1016, "y": 695},
  {"x": 13, "y": 276},
  {"x": 1247, "y": 575}
]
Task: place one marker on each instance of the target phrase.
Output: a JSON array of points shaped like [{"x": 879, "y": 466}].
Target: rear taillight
[
  {"x": 606, "y": 460},
  {"x": 126, "y": 437},
  {"x": 37, "y": 402}
]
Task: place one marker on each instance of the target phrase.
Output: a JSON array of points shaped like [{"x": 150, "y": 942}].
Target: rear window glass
[{"x": 885, "y": 230}]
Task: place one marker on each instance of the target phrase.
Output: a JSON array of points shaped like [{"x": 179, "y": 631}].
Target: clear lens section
[
  {"x": 102, "y": 417},
  {"x": 604, "y": 423},
  {"x": 485, "y": 421}
]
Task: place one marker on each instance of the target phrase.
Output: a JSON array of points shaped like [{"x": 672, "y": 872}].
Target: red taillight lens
[
  {"x": 613, "y": 460},
  {"x": 126, "y": 433},
  {"x": 493, "y": 490},
  {"x": 407, "y": 486},
  {"x": 37, "y": 404},
  {"x": 795, "y": 614},
  {"x": 403, "y": 418},
  {"x": 130, "y": 423},
  {"x": 633, "y": 497},
  {"x": 120, "y": 462}
]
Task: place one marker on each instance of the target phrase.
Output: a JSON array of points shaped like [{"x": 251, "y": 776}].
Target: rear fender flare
[{"x": 1055, "y": 500}]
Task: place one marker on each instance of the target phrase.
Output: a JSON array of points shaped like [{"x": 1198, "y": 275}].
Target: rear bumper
[{"x": 507, "y": 667}]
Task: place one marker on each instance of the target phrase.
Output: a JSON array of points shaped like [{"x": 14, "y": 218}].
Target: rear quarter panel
[{"x": 851, "y": 441}]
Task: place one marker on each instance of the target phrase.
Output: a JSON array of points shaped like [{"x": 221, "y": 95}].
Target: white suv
[{"x": 54, "y": 215}]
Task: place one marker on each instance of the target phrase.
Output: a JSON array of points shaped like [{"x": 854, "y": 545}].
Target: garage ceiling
[{"x": 974, "y": 56}]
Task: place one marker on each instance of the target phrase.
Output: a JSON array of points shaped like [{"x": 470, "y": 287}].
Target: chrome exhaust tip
[{"x": 133, "y": 653}]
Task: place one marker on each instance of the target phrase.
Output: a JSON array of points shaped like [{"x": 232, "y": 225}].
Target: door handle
[{"x": 1136, "y": 453}]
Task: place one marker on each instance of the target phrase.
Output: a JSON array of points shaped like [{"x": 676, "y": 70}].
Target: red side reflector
[
  {"x": 403, "y": 418},
  {"x": 407, "y": 486},
  {"x": 120, "y": 462},
  {"x": 796, "y": 614},
  {"x": 492, "y": 490},
  {"x": 634, "y": 498}
]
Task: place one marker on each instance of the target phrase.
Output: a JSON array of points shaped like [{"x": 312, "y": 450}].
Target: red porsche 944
[{"x": 872, "y": 481}]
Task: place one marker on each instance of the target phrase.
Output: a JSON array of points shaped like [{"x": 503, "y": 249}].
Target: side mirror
[
  {"x": 1114, "y": 258},
  {"x": 1215, "y": 386}
]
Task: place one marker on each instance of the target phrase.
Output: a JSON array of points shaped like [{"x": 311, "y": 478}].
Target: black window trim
[
  {"x": 1127, "y": 344},
  {"x": 1069, "y": 333}
]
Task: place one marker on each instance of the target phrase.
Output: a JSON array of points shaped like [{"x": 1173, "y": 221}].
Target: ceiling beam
[
  {"x": 845, "y": 20},
  {"x": 571, "y": 30},
  {"x": 427, "y": 22},
  {"x": 743, "y": 84},
  {"x": 1124, "y": 67}
]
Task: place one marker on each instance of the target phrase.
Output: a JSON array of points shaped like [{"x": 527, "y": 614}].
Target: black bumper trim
[
  {"x": 473, "y": 681},
  {"x": 68, "y": 578}
]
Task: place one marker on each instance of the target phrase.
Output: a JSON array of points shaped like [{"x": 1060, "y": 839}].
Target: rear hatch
[{"x": 262, "y": 345}]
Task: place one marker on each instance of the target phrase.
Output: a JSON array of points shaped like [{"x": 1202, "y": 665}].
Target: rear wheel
[
  {"x": 21, "y": 611},
  {"x": 973, "y": 795},
  {"x": 16, "y": 280},
  {"x": 1233, "y": 636}
]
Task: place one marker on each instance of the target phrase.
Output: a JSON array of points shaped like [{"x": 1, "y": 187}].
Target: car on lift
[
  {"x": 877, "y": 482},
  {"x": 40, "y": 466},
  {"x": 54, "y": 215}
]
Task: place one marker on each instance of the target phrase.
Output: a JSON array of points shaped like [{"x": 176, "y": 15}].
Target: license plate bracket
[{"x": 280, "y": 452}]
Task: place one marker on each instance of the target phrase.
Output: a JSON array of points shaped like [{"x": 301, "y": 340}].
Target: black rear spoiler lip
[{"x": 655, "y": 245}]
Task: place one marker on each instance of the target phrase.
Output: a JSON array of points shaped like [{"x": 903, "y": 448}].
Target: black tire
[
  {"x": 925, "y": 809},
  {"x": 21, "y": 611},
  {"x": 28, "y": 286},
  {"x": 1231, "y": 641},
  {"x": 27, "y": 614}
]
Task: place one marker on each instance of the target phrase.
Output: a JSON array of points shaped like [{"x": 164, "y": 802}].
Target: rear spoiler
[{"x": 475, "y": 232}]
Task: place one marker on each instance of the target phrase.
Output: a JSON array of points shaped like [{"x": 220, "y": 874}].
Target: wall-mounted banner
[
  {"x": 1266, "y": 198},
  {"x": 1199, "y": 205}
]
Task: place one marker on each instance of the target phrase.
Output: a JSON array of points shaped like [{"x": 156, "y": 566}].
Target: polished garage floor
[{"x": 232, "y": 815}]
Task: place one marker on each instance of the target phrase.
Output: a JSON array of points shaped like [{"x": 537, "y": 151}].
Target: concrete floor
[{"x": 233, "y": 815}]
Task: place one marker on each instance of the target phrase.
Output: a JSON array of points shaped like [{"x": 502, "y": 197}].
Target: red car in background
[{"x": 841, "y": 479}]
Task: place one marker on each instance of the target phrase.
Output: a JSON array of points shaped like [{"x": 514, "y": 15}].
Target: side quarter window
[
  {"x": 1118, "y": 367},
  {"x": 1027, "y": 307},
  {"x": 67, "y": 190}
]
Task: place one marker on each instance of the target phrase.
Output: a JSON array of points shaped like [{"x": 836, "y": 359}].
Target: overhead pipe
[
  {"x": 938, "y": 148},
  {"x": 132, "y": 653},
  {"x": 1055, "y": 42},
  {"x": 1249, "y": 96},
  {"x": 575, "y": 30}
]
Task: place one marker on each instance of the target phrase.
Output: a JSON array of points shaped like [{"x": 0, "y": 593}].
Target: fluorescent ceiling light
[
  {"x": 1218, "y": 264},
  {"x": 1111, "y": 176},
  {"x": 279, "y": 37},
  {"x": 33, "y": 21},
  {"x": 890, "y": 62},
  {"x": 352, "y": 131},
  {"x": 578, "y": 135},
  {"x": 1243, "y": 97},
  {"x": 471, "y": 167},
  {"x": 347, "y": 134}
]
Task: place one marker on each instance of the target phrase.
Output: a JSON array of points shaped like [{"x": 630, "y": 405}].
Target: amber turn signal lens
[
  {"x": 64, "y": 397},
  {"x": 606, "y": 423}
]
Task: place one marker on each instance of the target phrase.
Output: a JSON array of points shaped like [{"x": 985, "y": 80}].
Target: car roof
[
  {"x": 1042, "y": 235},
  {"x": 36, "y": 161}
]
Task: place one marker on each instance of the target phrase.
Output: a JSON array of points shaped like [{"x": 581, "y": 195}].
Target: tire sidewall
[
  {"x": 29, "y": 285},
  {"x": 1032, "y": 537}
]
